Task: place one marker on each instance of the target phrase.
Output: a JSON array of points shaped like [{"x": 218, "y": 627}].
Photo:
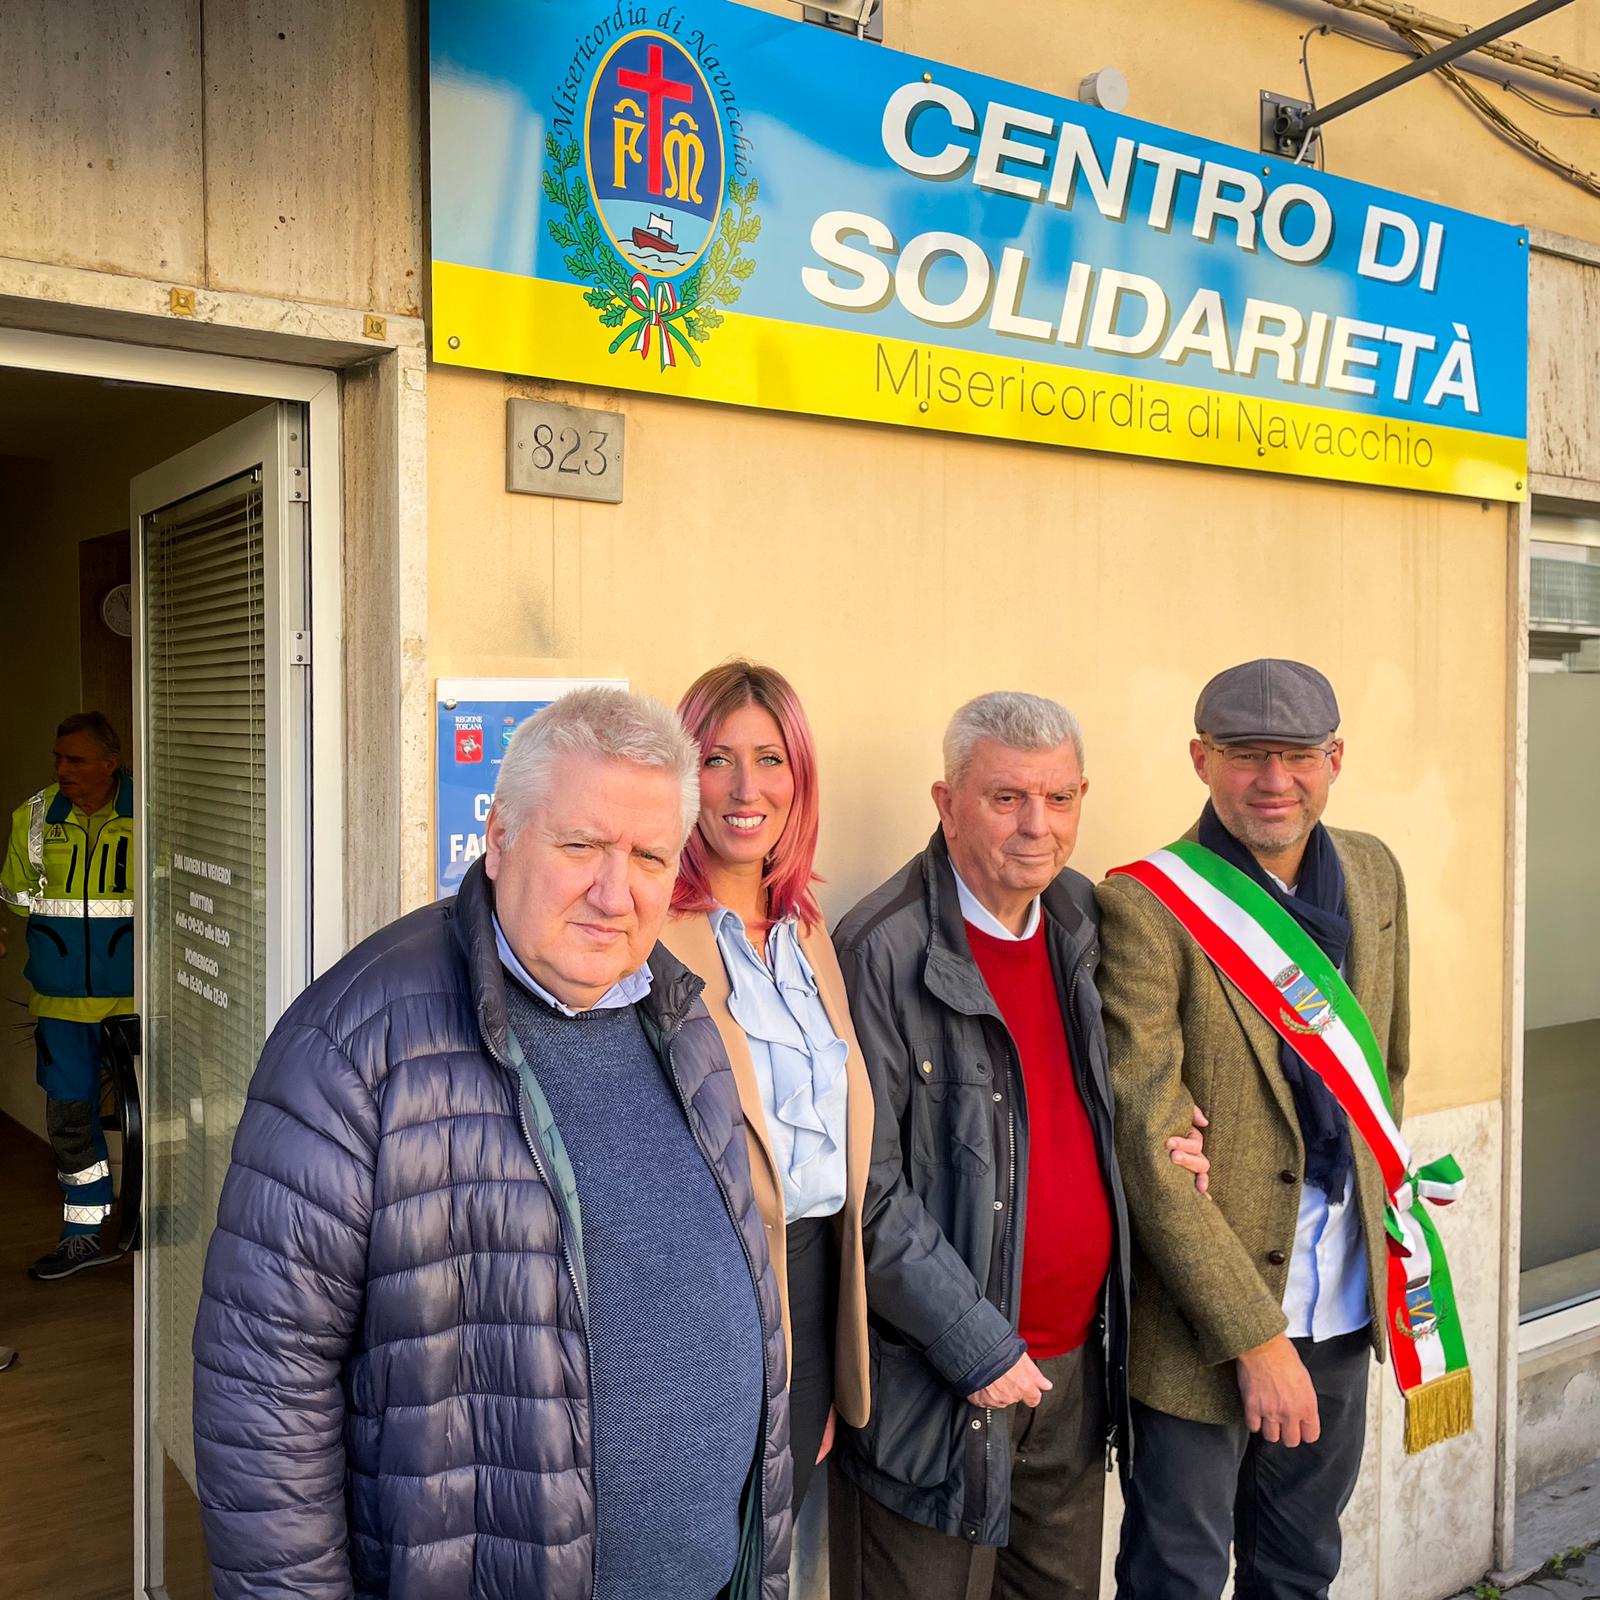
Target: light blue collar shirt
[
  {"x": 798, "y": 1059},
  {"x": 626, "y": 991}
]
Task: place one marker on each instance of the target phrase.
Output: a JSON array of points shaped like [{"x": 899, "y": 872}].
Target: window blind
[{"x": 206, "y": 823}]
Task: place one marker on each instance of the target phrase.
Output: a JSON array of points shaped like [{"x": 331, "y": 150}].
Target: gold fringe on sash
[{"x": 1440, "y": 1409}]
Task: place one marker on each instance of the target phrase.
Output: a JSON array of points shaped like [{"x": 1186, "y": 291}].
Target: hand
[
  {"x": 1188, "y": 1151},
  {"x": 1279, "y": 1401},
  {"x": 1024, "y": 1382},
  {"x": 827, "y": 1436}
]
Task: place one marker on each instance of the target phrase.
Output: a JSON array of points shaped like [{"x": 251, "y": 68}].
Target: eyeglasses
[{"x": 1300, "y": 761}]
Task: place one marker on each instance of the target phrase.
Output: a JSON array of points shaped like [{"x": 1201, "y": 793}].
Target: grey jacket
[{"x": 947, "y": 1194}]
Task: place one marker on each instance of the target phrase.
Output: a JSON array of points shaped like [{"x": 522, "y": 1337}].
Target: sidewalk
[{"x": 1558, "y": 1532}]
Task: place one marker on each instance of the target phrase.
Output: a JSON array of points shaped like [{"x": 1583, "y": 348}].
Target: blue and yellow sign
[{"x": 705, "y": 200}]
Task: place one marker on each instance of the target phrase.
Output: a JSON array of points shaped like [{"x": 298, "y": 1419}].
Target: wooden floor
[{"x": 66, "y": 1406}]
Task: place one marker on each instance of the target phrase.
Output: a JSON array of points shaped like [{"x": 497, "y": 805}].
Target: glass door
[
  {"x": 220, "y": 603},
  {"x": 1561, "y": 1040}
]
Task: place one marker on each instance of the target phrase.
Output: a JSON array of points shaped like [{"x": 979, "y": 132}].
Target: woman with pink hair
[{"x": 745, "y": 920}]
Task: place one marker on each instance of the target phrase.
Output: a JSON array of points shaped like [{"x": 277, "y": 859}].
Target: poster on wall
[
  {"x": 706, "y": 200},
  {"x": 475, "y": 718}
]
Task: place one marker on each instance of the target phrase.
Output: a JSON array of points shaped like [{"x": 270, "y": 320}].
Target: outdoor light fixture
[
  {"x": 863, "y": 18},
  {"x": 1106, "y": 88}
]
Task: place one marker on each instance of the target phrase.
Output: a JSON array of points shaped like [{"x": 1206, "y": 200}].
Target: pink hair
[{"x": 787, "y": 876}]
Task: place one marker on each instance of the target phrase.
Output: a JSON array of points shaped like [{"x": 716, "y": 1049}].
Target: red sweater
[{"x": 1066, "y": 1252}]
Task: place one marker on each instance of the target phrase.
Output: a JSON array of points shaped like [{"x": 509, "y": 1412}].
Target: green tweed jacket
[{"x": 1209, "y": 1273}]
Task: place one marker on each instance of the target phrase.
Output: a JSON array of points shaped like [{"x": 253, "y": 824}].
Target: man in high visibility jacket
[{"x": 69, "y": 869}]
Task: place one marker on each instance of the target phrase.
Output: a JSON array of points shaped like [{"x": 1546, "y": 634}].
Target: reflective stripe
[
  {"x": 78, "y": 1007},
  {"x": 36, "y": 839},
  {"x": 19, "y": 898},
  {"x": 85, "y": 1213},
  {"x": 36, "y": 835},
  {"x": 72, "y": 1180},
  {"x": 78, "y": 909}
]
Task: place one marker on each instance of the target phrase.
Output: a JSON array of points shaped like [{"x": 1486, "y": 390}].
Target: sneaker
[{"x": 73, "y": 1254}]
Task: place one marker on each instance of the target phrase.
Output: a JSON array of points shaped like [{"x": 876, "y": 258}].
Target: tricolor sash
[{"x": 1282, "y": 971}]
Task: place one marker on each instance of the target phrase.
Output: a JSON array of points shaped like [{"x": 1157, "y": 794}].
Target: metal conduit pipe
[{"x": 1504, "y": 50}]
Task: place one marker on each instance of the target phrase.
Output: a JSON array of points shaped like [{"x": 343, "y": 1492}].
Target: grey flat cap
[{"x": 1267, "y": 699}]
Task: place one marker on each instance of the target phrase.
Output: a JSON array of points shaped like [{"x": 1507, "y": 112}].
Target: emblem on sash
[
  {"x": 1308, "y": 1009},
  {"x": 651, "y": 214},
  {"x": 1421, "y": 1312}
]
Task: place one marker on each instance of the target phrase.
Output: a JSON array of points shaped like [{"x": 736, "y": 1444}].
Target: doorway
[{"x": 158, "y": 554}]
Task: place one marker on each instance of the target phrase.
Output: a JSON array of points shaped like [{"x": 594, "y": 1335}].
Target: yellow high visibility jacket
[{"x": 72, "y": 877}]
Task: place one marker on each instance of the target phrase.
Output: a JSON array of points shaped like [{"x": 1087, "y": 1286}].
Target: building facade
[{"x": 231, "y": 202}]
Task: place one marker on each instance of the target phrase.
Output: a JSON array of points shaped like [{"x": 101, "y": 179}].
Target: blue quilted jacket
[{"x": 391, "y": 1391}]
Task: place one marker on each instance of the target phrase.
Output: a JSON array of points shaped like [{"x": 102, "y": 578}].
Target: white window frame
[{"x": 1566, "y": 1323}]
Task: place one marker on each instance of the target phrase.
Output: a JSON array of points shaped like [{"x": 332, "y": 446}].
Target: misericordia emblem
[{"x": 652, "y": 218}]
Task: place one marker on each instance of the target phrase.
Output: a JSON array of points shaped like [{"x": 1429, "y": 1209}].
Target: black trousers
[
  {"x": 813, "y": 1250},
  {"x": 1058, "y": 1486},
  {"x": 1199, "y": 1487}
]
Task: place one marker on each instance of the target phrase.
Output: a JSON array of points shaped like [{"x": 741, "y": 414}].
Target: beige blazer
[
  {"x": 1209, "y": 1274},
  {"x": 692, "y": 941}
]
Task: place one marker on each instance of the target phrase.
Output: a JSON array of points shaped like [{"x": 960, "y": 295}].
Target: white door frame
[{"x": 317, "y": 389}]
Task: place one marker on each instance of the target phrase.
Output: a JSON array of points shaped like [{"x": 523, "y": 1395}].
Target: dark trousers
[
  {"x": 1198, "y": 1486},
  {"x": 1058, "y": 1484},
  {"x": 69, "y": 1072},
  {"x": 813, "y": 1252}
]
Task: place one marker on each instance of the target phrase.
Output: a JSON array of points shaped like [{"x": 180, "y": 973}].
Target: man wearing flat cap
[{"x": 1226, "y": 956}]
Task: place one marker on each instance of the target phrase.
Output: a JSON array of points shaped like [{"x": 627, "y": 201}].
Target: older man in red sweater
[{"x": 996, "y": 1234}]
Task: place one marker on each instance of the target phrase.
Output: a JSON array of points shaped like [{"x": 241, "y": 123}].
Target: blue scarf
[{"x": 1319, "y": 907}]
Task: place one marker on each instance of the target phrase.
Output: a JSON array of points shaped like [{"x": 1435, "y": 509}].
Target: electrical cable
[
  {"x": 1314, "y": 135},
  {"x": 1414, "y": 43},
  {"x": 1545, "y": 106},
  {"x": 1510, "y": 52},
  {"x": 1509, "y": 130},
  {"x": 1311, "y": 97}
]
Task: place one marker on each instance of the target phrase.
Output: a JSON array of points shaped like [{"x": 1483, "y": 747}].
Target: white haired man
[
  {"x": 488, "y": 1309},
  {"x": 996, "y": 1234}
]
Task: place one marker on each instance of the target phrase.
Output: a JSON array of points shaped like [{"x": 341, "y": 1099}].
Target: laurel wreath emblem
[{"x": 702, "y": 297}]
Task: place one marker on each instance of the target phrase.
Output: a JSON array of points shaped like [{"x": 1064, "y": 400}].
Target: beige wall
[
  {"x": 893, "y": 573},
  {"x": 269, "y": 149}
]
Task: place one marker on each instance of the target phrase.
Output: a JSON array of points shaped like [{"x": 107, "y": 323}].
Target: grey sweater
[{"x": 674, "y": 1329}]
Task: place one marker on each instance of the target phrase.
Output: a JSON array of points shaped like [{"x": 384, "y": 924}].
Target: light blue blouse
[{"x": 799, "y": 1062}]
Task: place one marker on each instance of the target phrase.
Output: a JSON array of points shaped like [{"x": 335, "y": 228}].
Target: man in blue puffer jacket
[{"x": 488, "y": 1311}]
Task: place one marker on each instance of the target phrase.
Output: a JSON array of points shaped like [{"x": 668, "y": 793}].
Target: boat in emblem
[{"x": 658, "y": 236}]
